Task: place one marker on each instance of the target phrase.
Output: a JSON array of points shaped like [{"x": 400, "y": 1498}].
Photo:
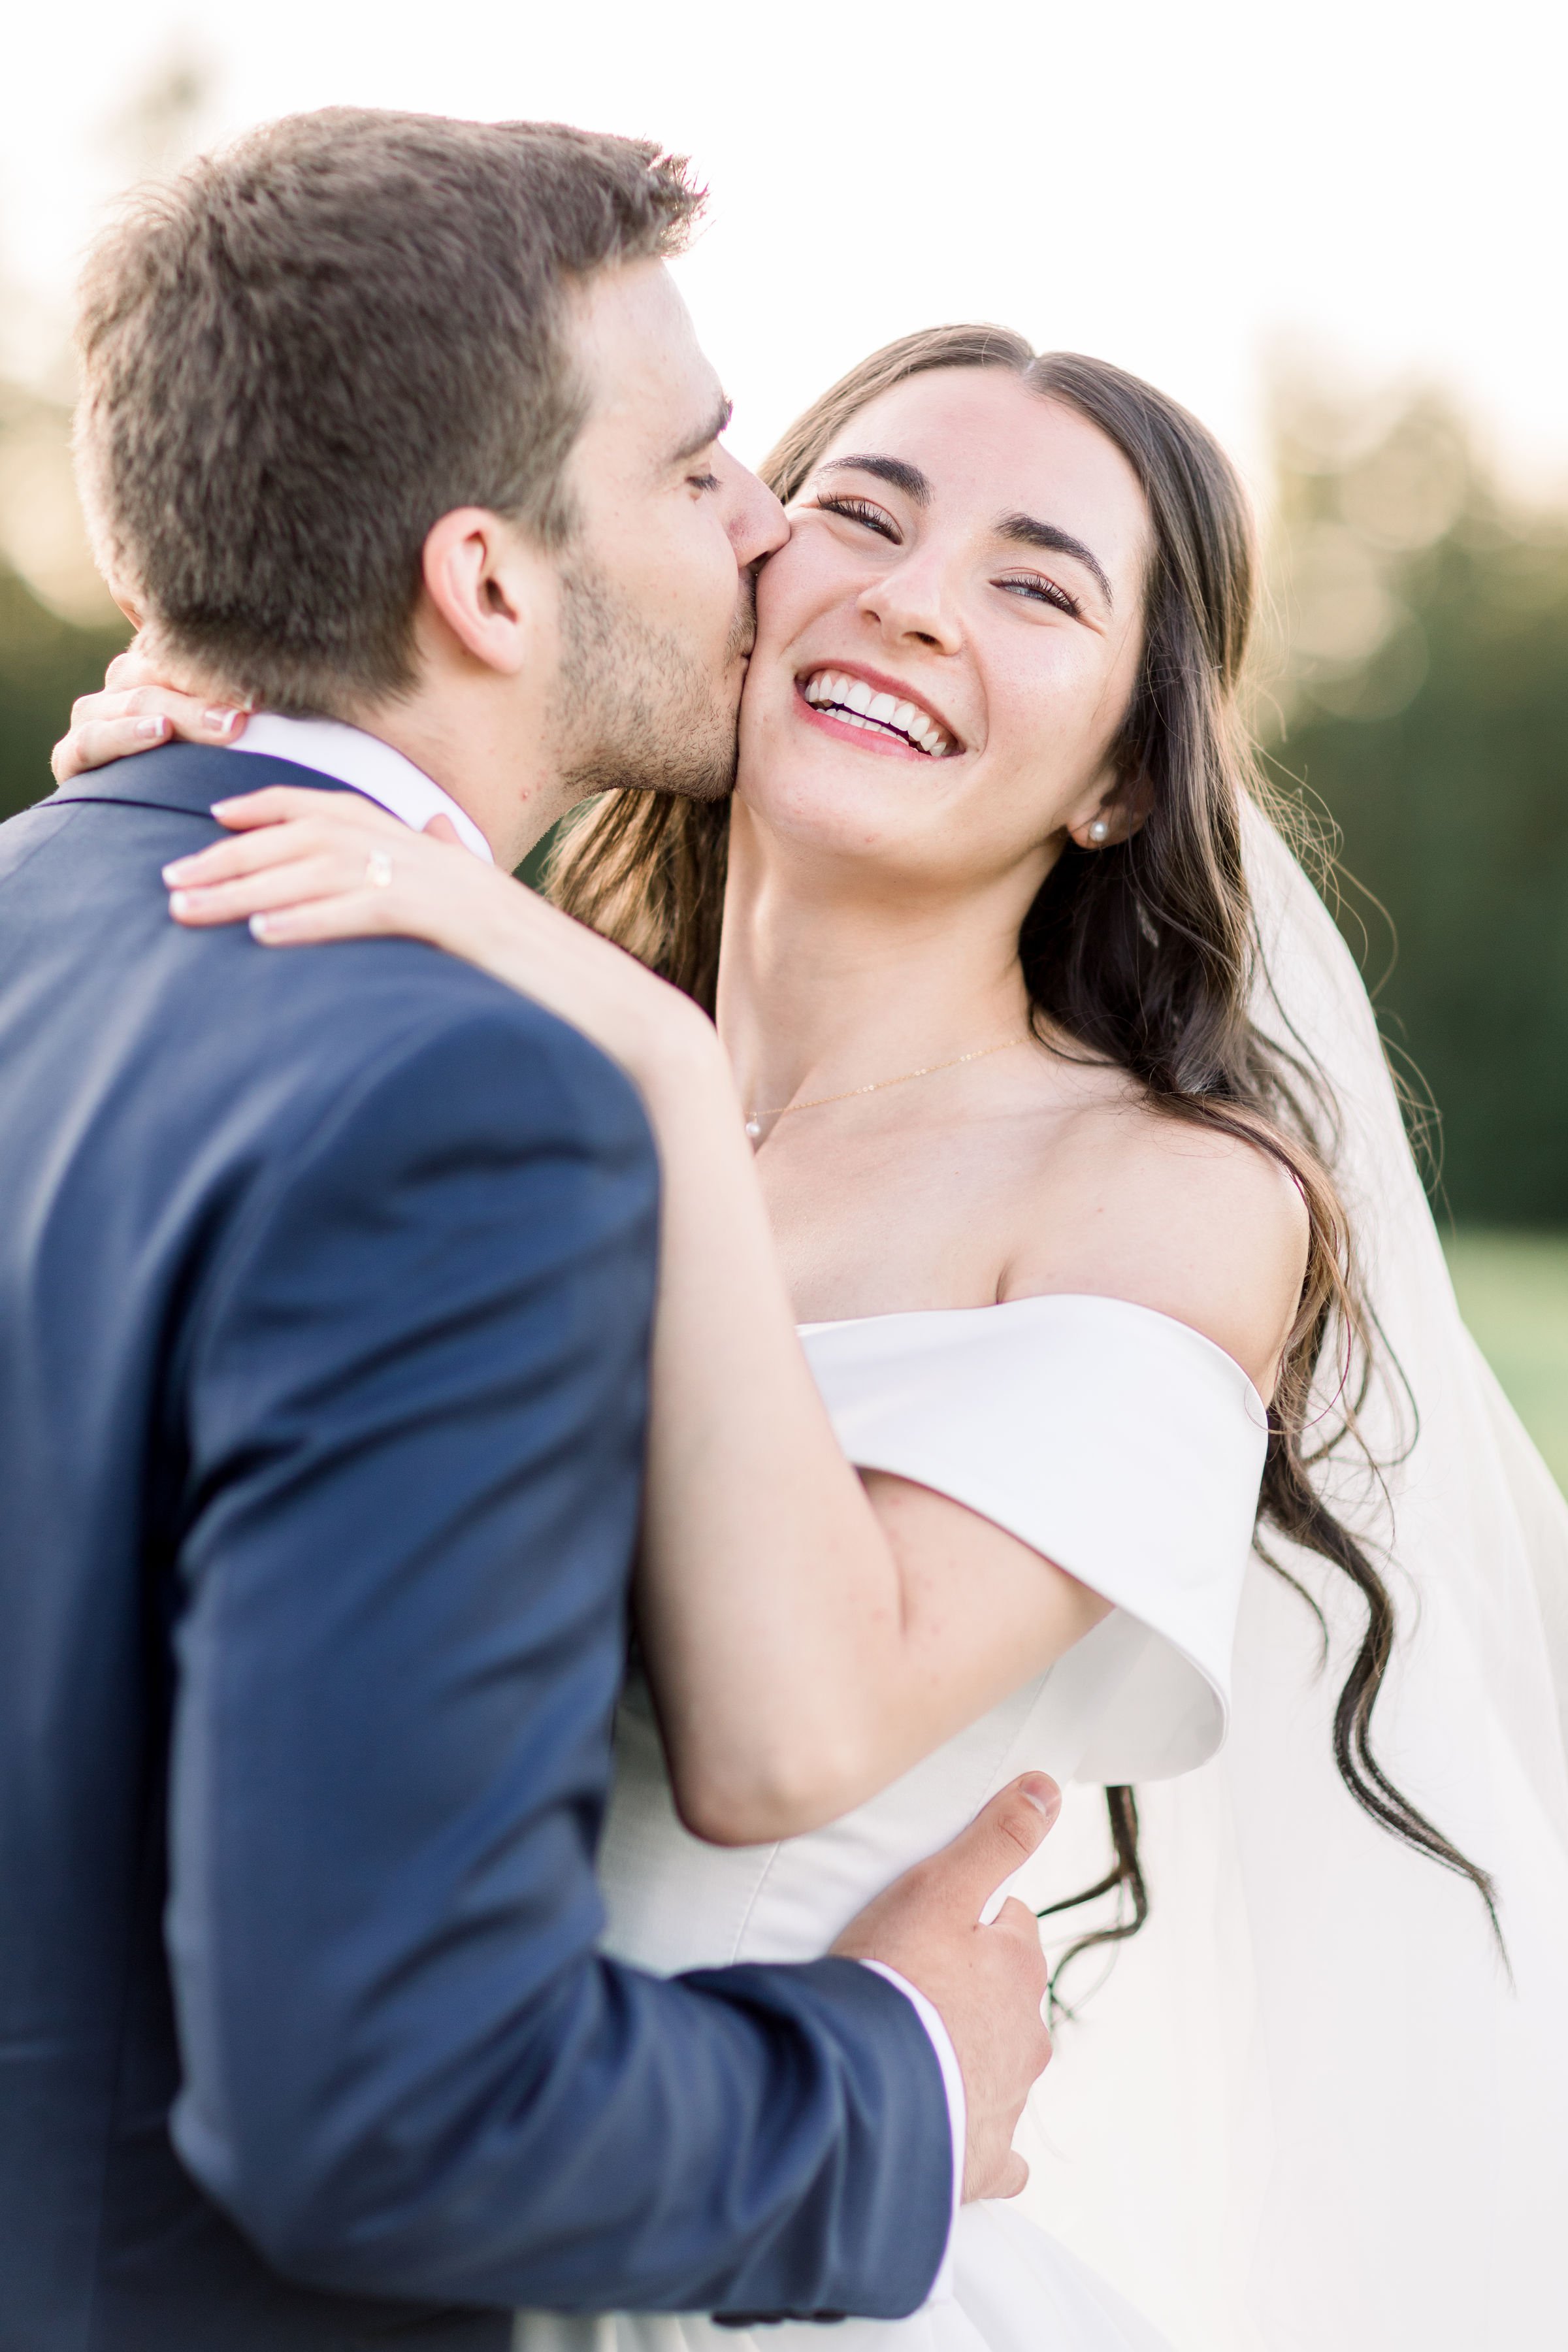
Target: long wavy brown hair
[{"x": 1143, "y": 953}]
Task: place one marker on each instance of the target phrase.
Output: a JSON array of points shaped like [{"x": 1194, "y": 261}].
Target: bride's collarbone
[
  {"x": 1114, "y": 1198},
  {"x": 863, "y": 1237}
]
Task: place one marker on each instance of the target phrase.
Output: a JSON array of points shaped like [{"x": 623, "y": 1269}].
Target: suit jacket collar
[{"x": 188, "y": 776}]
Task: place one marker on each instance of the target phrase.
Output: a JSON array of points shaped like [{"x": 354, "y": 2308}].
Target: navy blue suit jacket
[{"x": 325, "y": 1285}]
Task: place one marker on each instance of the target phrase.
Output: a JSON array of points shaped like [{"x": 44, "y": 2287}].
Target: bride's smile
[{"x": 860, "y": 698}]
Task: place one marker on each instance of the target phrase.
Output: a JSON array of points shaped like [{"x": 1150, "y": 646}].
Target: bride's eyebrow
[
  {"x": 1023, "y": 531},
  {"x": 894, "y": 471}
]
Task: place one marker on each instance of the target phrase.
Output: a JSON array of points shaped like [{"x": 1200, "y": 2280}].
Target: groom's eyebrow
[
  {"x": 896, "y": 471},
  {"x": 718, "y": 424},
  {"x": 1023, "y": 531}
]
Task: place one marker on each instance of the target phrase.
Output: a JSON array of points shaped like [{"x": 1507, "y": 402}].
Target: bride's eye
[
  {"x": 875, "y": 518},
  {"x": 1043, "y": 591}
]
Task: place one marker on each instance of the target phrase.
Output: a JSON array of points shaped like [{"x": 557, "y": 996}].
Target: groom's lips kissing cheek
[{"x": 873, "y": 711}]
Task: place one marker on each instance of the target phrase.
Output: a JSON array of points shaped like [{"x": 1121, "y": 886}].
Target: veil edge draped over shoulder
[{"x": 1310, "y": 2109}]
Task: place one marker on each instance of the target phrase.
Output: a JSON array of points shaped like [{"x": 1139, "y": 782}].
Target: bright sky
[{"x": 1178, "y": 185}]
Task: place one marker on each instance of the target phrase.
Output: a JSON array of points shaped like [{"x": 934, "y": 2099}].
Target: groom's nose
[{"x": 752, "y": 516}]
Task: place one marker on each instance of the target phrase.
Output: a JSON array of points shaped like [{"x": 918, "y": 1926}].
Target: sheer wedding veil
[{"x": 1308, "y": 2109}]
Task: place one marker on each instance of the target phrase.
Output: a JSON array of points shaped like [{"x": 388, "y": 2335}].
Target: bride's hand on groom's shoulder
[
  {"x": 302, "y": 867},
  {"x": 135, "y": 711}
]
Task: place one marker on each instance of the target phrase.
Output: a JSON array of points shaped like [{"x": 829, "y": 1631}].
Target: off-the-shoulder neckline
[{"x": 1049, "y": 1299}]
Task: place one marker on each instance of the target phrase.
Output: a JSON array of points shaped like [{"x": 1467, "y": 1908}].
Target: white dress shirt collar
[{"x": 372, "y": 767}]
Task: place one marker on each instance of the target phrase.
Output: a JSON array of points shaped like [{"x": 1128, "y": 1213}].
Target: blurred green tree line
[
  {"x": 1416, "y": 689},
  {"x": 1423, "y": 703},
  {"x": 57, "y": 627},
  {"x": 46, "y": 661}
]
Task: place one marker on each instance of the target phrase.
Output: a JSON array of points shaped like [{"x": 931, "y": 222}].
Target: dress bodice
[{"x": 1117, "y": 1442}]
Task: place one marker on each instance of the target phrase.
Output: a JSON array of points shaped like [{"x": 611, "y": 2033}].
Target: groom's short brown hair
[{"x": 307, "y": 348}]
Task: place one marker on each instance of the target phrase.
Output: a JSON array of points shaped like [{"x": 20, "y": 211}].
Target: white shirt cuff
[{"x": 957, "y": 2111}]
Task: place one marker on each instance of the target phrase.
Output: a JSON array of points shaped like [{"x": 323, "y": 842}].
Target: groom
[{"x": 327, "y": 1282}]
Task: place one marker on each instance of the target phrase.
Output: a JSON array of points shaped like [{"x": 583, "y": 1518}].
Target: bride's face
[{"x": 966, "y": 566}]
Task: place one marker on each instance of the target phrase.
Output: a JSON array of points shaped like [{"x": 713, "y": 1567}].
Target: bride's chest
[{"x": 884, "y": 1224}]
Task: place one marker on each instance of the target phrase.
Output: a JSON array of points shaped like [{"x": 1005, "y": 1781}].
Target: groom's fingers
[
  {"x": 958, "y": 1881},
  {"x": 1000, "y": 1837},
  {"x": 988, "y": 1984}
]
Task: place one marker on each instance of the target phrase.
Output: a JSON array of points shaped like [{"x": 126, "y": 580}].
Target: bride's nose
[{"x": 914, "y": 601}]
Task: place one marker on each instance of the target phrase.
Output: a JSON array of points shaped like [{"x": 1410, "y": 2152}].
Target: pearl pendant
[{"x": 754, "y": 1129}]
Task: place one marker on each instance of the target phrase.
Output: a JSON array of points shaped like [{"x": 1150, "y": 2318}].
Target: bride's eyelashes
[
  {"x": 875, "y": 518},
  {"x": 1032, "y": 583}
]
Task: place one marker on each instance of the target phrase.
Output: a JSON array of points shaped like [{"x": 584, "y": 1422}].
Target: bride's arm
[{"x": 809, "y": 1634}]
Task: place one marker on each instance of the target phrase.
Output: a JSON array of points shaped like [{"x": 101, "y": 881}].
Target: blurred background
[{"x": 1332, "y": 230}]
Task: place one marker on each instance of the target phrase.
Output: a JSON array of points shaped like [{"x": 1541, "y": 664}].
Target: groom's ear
[{"x": 489, "y": 588}]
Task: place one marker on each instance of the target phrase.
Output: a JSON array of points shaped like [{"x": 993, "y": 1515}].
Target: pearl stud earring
[{"x": 1100, "y": 830}]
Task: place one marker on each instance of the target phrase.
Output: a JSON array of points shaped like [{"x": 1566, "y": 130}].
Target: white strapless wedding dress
[{"x": 1127, "y": 1449}]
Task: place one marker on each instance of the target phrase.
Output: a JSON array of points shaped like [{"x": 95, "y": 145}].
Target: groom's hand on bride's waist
[{"x": 986, "y": 1983}]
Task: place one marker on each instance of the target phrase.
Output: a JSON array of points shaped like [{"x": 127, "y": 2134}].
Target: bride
[{"x": 1006, "y": 1297}]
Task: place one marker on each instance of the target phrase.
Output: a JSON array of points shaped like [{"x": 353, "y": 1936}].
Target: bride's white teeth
[{"x": 855, "y": 704}]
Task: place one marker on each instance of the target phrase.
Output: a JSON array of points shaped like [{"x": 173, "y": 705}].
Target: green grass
[{"x": 1513, "y": 1293}]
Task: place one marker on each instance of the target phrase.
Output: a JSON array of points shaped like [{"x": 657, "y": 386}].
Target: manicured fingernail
[
  {"x": 152, "y": 729},
  {"x": 219, "y": 720},
  {"x": 177, "y": 870},
  {"x": 261, "y": 925},
  {"x": 180, "y": 901},
  {"x": 220, "y": 808}
]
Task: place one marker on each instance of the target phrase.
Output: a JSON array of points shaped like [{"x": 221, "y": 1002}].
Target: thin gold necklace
[{"x": 928, "y": 1070}]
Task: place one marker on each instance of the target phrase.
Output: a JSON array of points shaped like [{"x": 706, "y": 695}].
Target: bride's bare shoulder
[{"x": 1201, "y": 1226}]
